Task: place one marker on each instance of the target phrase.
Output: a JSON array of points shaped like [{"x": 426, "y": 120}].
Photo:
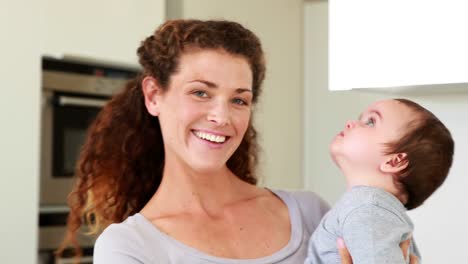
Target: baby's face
[{"x": 361, "y": 145}]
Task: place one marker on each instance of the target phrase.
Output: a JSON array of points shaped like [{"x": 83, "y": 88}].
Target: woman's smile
[{"x": 212, "y": 139}]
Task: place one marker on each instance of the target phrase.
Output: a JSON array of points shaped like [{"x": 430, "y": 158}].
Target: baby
[{"x": 393, "y": 158}]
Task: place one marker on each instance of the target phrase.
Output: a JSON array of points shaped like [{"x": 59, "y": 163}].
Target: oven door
[
  {"x": 52, "y": 230},
  {"x": 71, "y": 260},
  {"x": 65, "y": 121}
]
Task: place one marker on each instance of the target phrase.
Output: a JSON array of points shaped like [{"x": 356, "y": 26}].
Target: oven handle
[{"x": 76, "y": 101}]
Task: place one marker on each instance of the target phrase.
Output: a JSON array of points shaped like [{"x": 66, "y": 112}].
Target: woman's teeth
[{"x": 210, "y": 137}]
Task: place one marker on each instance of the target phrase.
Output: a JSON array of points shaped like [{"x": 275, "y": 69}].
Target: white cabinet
[
  {"x": 417, "y": 44},
  {"x": 105, "y": 29}
]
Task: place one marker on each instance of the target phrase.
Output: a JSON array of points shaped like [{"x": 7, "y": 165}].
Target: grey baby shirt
[{"x": 372, "y": 223}]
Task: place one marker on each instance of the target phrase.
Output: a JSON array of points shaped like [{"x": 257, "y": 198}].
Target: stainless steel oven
[{"x": 73, "y": 92}]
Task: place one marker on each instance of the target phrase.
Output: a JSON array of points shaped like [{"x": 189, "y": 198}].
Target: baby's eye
[
  {"x": 200, "y": 93},
  {"x": 370, "y": 122}
]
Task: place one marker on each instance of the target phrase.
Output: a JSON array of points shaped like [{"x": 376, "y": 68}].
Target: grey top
[
  {"x": 372, "y": 222},
  {"x": 136, "y": 240}
]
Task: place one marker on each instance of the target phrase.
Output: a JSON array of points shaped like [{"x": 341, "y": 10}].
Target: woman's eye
[
  {"x": 370, "y": 122},
  {"x": 239, "y": 101},
  {"x": 200, "y": 94}
]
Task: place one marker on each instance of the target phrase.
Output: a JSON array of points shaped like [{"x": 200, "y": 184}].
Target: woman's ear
[
  {"x": 151, "y": 91},
  {"x": 395, "y": 163}
]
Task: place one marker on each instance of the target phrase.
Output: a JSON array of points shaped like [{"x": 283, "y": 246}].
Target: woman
[{"x": 172, "y": 160}]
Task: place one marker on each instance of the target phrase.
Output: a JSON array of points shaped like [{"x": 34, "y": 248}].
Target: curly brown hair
[
  {"x": 429, "y": 147},
  {"x": 124, "y": 145}
]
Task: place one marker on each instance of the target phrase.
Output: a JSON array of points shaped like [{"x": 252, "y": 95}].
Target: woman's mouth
[{"x": 219, "y": 139}]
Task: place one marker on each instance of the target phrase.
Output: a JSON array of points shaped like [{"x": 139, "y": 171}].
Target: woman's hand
[
  {"x": 404, "y": 247},
  {"x": 344, "y": 253},
  {"x": 346, "y": 257}
]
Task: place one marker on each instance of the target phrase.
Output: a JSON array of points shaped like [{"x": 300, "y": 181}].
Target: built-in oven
[
  {"x": 52, "y": 228},
  {"x": 73, "y": 93}
]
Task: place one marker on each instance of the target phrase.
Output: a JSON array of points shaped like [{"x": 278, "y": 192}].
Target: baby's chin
[
  {"x": 335, "y": 158},
  {"x": 333, "y": 150}
]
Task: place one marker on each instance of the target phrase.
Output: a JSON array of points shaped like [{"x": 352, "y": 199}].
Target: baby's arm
[
  {"x": 373, "y": 235},
  {"x": 346, "y": 257}
]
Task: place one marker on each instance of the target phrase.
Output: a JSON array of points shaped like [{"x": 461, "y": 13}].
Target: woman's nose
[{"x": 220, "y": 114}]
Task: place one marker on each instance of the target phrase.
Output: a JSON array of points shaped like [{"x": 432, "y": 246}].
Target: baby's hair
[{"x": 429, "y": 147}]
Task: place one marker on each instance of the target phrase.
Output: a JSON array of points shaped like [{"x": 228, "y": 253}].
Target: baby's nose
[{"x": 350, "y": 124}]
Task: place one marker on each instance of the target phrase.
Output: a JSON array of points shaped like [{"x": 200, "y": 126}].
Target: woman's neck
[{"x": 184, "y": 189}]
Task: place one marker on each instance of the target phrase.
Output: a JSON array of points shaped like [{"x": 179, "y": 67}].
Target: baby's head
[{"x": 397, "y": 145}]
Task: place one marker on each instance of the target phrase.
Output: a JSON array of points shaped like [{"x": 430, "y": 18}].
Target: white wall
[
  {"x": 21, "y": 40},
  {"x": 440, "y": 223},
  {"x": 278, "y": 23}
]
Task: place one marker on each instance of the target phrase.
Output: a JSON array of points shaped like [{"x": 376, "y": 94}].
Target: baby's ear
[
  {"x": 395, "y": 163},
  {"x": 151, "y": 91}
]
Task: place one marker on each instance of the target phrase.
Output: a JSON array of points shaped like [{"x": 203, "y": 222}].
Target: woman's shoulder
[
  {"x": 126, "y": 230},
  {"x": 311, "y": 206},
  {"x": 127, "y": 242},
  {"x": 308, "y": 201}
]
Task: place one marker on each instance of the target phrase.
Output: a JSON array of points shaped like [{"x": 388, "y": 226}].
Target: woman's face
[{"x": 205, "y": 112}]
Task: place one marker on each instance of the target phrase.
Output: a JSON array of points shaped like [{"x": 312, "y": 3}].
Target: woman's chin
[{"x": 208, "y": 167}]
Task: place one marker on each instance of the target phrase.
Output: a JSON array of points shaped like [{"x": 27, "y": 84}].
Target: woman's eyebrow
[
  {"x": 207, "y": 83},
  {"x": 242, "y": 90},
  {"x": 214, "y": 86}
]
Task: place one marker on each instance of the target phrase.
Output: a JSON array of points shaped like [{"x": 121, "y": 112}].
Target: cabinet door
[
  {"x": 383, "y": 43},
  {"x": 105, "y": 29}
]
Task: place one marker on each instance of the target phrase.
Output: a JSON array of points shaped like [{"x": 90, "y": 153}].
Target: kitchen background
[{"x": 297, "y": 115}]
